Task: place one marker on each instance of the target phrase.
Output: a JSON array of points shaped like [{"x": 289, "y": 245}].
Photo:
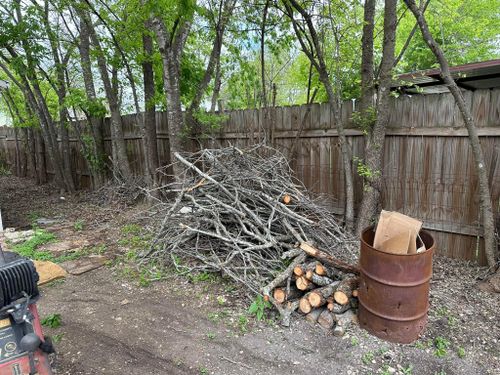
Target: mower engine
[{"x": 23, "y": 348}]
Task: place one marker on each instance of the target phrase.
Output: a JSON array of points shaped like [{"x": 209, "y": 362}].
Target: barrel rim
[{"x": 372, "y": 227}]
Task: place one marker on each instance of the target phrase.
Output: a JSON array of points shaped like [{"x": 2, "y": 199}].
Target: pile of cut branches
[{"x": 242, "y": 213}]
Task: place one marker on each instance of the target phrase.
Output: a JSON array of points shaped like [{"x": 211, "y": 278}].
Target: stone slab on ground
[
  {"x": 18, "y": 236},
  {"x": 44, "y": 222},
  {"x": 65, "y": 246},
  {"x": 48, "y": 271},
  {"x": 82, "y": 265}
]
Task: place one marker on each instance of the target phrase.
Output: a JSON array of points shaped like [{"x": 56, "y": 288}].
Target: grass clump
[{"x": 29, "y": 248}]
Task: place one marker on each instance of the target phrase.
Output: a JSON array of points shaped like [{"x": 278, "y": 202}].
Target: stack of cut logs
[{"x": 323, "y": 288}]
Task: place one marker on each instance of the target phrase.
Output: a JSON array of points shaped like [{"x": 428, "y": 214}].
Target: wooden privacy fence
[{"x": 428, "y": 168}]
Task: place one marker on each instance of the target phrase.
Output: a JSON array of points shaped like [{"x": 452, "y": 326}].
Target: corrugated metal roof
[{"x": 479, "y": 75}]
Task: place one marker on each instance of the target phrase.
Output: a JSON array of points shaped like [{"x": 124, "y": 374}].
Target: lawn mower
[{"x": 23, "y": 348}]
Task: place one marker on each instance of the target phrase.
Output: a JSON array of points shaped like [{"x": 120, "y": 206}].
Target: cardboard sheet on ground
[
  {"x": 396, "y": 233},
  {"x": 48, "y": 271}
]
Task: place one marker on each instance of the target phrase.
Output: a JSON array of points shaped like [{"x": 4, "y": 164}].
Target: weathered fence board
[{"x": 428, "y": 171}]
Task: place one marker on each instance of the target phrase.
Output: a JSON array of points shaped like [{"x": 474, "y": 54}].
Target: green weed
[
  {"x": 52, "y": 321},
  {"x": 57, "y": 338},
  {"x": 133, "y": 229},
  {"x": 367, "y": 358},
  {"x": 441, "y": 345},
  {"x": 78, "y": 225},
  {"x": 407, "y": 370},
  {"x": 243, "y": 323},
  {"x": 258, "y": 307},
  {"x": 28, "y": 248},
  {"x": 203, "y": 277}
]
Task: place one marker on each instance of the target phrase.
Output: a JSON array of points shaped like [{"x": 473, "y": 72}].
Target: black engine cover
[{"x": 17, "y": 277}]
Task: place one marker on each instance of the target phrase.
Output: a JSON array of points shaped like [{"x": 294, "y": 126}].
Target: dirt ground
[{"x": 113, "y": 325}]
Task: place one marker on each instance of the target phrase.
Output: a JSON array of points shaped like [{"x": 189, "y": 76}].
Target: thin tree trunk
[
  {"x": 41, "y": 167},
  {"x": 367, "y": 89},
  {"x": 314, "y": 52},
  {"x": 150, "y": 139},
  {"x": 97, "y": 166},
  {"x": 484, "y": 190},
  {"x": 121, "y": 166},
  {"x": 171, "y": 48},
  {"x": 265, "y": 113},
  {"x": 225, "y": 11},
  {"x": 217, "y": 85},
  {"x": 374, "y": 149},
  {"x": 30, "y": 153},
  {"x": 61, "y": 95}
]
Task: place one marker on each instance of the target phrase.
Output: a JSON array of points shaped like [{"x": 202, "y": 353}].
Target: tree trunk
[
  {"x": 374, "y": 149},
  {"x": 484, "y": 190},
  {"x": 31, "y": 153},
  {"x": 217, "y": 85},
  {"x": 314, "y": 51},
  {"x": 121, "y": 167},
  {"x": 98, "y": 164},
  {"x": 367, "y": 89},
  {"x": 61, "y": 95},
  {"x": 41, "y": 168},
  {"x": 171, "y": 51},
  {"x": 18, "y": 152},
  {"x": 150, "y": 139}
]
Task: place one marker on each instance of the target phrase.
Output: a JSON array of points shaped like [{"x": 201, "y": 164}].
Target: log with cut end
[
  {"x": 326, "y": 319},
  {"x": 303, "y": 284},
  {"x": 309, "y": 275},
  {"x": 314, "y": 315},
  {"x": 287, "y": 199},
  {"x": 281, "y": 295},
  {"x": 336, "y": 308},
  {"x": 304, "y": 305},
  {"x": 328, "y": 259},
  {"x": 330, "y": 272},
  {"x": 344, "y": 290},
  {"x": 301, "y": 269},
  {"x": 320, "y": 280},
  {"x": 319, "y": 296}
]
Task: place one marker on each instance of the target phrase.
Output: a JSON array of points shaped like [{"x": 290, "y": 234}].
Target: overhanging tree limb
[{"x": 470, "y": 123}]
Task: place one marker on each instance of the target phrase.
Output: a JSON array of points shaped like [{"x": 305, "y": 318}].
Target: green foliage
[
  {"x": 78, "y": 225},
  {"x": 466, "y": 30},
  {"x": 4, "y": 170},
  {"x": 365, "y": 171},
  {"x": 365, "y": 120},
  {"x": 408, "y": 370},
  {"x": 57, "y": 338},
  {"x": 243, "y": 323},
  {"x": 209, "y": 277},
  {"x": 367, "y": 358},
  {"x": 52, "y": 321},
  {"x": 258, "y": 307},
  {"x": 133, "y": 229},
  {"x": 461, "y": 352},
  {"x": 210, "y": 122},
  {"x": 28, "y": 248},
  {"x": 441, "y": 345}
]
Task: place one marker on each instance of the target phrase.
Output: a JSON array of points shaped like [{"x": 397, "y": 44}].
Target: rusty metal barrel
[{"x": 394, "y": 290}]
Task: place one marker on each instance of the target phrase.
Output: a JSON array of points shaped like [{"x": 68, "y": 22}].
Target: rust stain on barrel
[{"x": 394, "y": 290}]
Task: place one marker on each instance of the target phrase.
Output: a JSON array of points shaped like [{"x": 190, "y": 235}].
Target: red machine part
[{"x": 20, "y": 365}]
